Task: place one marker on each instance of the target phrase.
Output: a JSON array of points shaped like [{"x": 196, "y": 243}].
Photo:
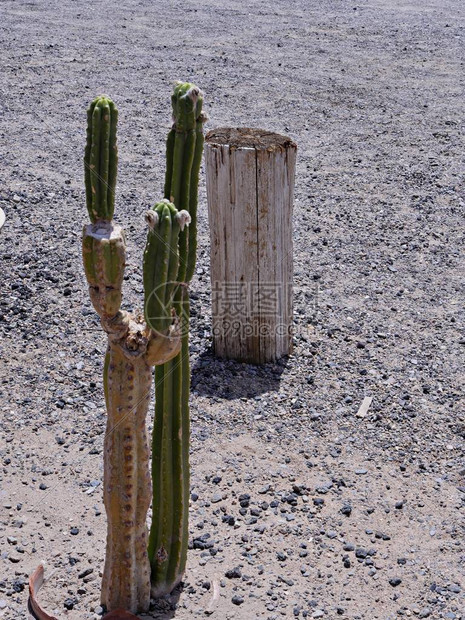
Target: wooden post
[{"x": 250, "y": 186}]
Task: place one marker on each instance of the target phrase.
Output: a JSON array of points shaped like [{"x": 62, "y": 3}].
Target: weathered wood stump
[{"x": 250, "y": 186}]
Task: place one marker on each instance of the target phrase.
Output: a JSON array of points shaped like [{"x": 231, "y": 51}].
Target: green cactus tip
[
  {"x": 161, "y": 262},
  {"x": 101, "y": 158}
]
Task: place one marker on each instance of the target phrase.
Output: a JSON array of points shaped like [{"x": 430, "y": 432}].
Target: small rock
[
  {"x": 85, "y": 572},
  {"x": 395, "y": 581},
  {"x": 233, "y": 573},
  {"x": 346, "y": 510},
  {"x": 69, "y": 603},
  {"x": 237, "y": 599},
  {"x": 74, "y": 531}
]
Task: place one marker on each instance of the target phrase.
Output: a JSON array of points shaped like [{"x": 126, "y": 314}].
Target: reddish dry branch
[{"x": 36, "y": 581}]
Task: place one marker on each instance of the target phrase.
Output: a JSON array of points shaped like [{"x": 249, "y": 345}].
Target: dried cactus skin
[
  {"x": 101, "y": 159},
  {"x": 104, "y": 258},
  {"x": 171, "y": 433},
  {"x": 127, "y": 486}
]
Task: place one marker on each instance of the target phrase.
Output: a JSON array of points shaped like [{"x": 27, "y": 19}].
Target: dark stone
[
  {"x": 69, "y": 603},
  {"x": 237, "y": 599},
  {"x": 346, "y": 510},
  {"x": 395, "y": 581},
  {"x": 233, "y": 573}
]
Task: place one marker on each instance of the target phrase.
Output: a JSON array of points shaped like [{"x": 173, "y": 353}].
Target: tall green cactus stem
[
  {"x": 133, "y": 348},
  {"x": 171, "y": 433}
]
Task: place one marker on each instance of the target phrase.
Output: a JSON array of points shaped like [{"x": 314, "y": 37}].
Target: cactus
[
  {"x": 134, "y": 346},
  {"x": 170, "y": 443}
]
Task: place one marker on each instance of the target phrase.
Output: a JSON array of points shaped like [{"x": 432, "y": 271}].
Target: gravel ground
[{"x": 300, "y": 508}]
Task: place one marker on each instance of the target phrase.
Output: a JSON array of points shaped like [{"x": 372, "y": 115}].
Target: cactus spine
[
  {"x": 171, "y": 433},
  {"x": 134, "y": 346}
]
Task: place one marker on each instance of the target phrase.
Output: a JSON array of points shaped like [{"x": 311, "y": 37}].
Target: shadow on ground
[
  {"x": 164, "y": 608},
  {"x": 229, "y": 379}
]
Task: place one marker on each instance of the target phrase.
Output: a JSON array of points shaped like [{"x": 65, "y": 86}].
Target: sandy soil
[{"x": 299, "y": 507}]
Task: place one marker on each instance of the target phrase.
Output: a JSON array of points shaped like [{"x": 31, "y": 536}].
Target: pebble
[
  {"x": 69, "y": 603},
  {"x": 395, "y": 581},
  {"x": 233, "y": 573},
  {"x": 237, "y": 599},
  {"x": 85, "y": 573},
  {"x": 346, "y": 510}
]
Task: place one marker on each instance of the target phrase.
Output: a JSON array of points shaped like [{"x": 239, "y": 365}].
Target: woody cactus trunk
[{"x": 136, "y": 343}]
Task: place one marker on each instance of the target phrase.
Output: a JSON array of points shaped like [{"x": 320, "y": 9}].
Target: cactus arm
[
  {"x": 184, "y": 109},
  {"x": 176, "y": 173},
  {"x": 161, "y": 259},
  {"x": 95, "y": 162},
  {"x": 169, "y": 162},
  {"x": 156, "y": 260},
  {"x": 87, "y": 178},
  {"x": 163, "y": 265},
  {"x": 105, "y": 156},
  {"x": 194, "y": 190},
  {"x": 101, "y": 158},
  {"x": 113, "y": 159},
  {"x": 188, "y": 158},
  {"x": 173, "y": 264}
]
